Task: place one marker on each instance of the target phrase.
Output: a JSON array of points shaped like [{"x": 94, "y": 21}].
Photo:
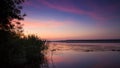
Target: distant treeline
[{"x": 91, "y": 41}]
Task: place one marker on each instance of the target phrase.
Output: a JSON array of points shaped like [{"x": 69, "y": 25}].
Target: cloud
[
  {"x": 97, "y": 12},
  {"x": 63, "y": 6},
  {"x": 32, "y": 4},
  {"x": 42, "y": 24}
]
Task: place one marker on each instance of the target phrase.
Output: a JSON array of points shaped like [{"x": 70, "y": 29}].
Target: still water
[{"x": 84, "y": 55}]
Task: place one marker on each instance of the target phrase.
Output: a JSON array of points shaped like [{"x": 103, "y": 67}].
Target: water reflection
[
  {"x": 83, "y": 48},
  {"x": 71, "y": 55}
]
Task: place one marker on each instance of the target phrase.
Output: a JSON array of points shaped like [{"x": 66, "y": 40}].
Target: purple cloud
[{"x": 98, "y": 13}]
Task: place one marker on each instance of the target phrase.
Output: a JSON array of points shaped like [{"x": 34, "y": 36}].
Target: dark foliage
[
  {"x": 16, "y": 50},
  {"x": 10, "y": 10},
  {"x": 10, "y": 14}
]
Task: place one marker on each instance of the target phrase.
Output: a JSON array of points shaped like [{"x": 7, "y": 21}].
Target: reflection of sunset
[
  {"x": 56, "y": 59},
  {"x": 83, "y": 55}
]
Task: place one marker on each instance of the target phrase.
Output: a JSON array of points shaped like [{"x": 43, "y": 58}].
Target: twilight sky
[{"x": 73, "y": 19}]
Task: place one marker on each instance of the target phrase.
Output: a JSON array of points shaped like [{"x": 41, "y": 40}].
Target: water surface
[{"x": 84, "y": 55}]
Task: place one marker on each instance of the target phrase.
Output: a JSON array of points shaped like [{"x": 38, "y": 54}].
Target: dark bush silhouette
[
  {"x": 9, "y": 10},
  {"x": 17, "y": 50}
]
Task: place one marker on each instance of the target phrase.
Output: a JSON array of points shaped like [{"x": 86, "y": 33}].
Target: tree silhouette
[
  {"x": 9, "y": 11},
  {"x": 10, "y": 15},
  {"x": 16, "y": 52}
]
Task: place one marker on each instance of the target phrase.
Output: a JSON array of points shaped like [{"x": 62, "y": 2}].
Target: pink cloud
[
  {"x": 69, "y": 7},
  {"x": 32, "y": 4},
  {"x": 27, "y": 3},
  {"x": 63, "y": 6},
  {"x": 39, "y": 24},
  {"x": 98, "y": 13}
]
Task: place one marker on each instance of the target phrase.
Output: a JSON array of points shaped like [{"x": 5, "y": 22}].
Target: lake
[{"x": 84, "y": 55}]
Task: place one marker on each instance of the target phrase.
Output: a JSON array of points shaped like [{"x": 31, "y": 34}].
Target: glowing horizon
[{"x": 69, "y": 19}]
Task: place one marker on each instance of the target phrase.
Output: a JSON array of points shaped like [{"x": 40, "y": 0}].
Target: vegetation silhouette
[{"x": 16, "y": 49}]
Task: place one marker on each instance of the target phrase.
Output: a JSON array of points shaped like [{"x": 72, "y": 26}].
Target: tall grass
[
  {"x": 16, "y": 49},
  {"x": 28, "y": 50}
]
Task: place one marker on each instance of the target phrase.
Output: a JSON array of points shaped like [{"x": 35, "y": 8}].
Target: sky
[{"x": 72, "y": 19}]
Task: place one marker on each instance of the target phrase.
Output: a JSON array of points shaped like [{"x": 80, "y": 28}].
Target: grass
[{"x": 27, "y": 50}]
